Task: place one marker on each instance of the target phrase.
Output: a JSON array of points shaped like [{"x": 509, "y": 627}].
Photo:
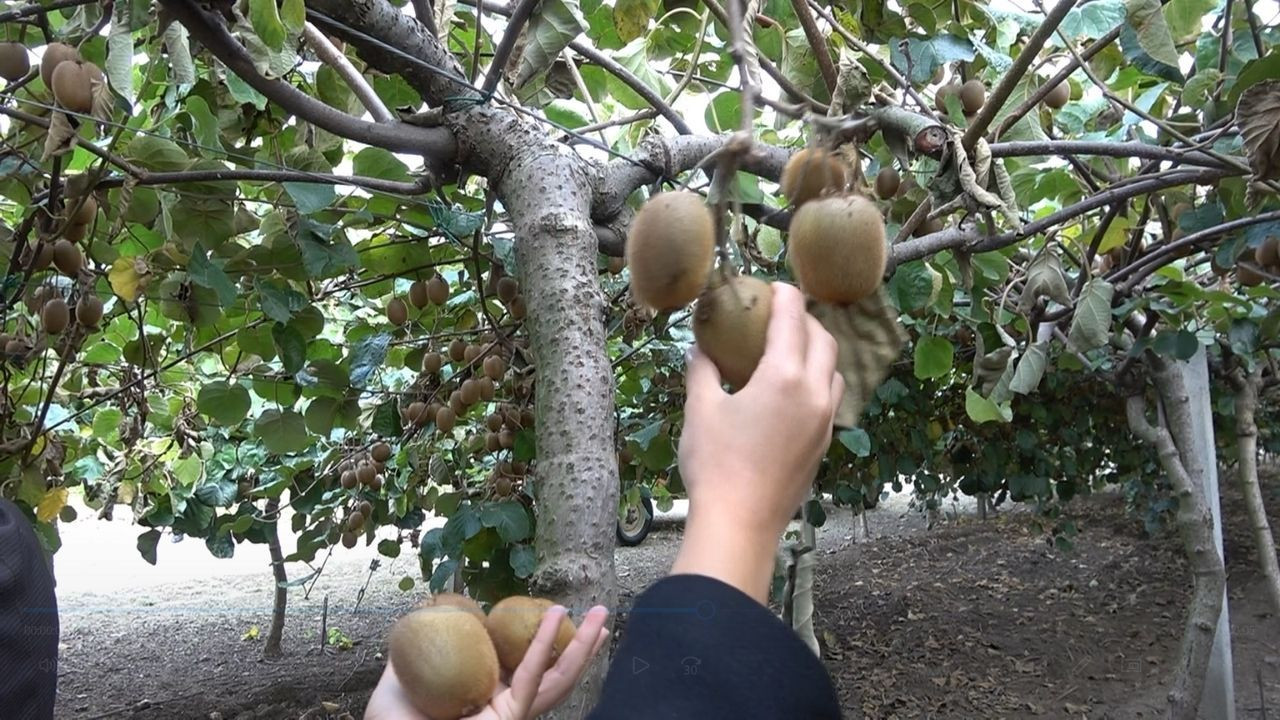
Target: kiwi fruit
[
  {"x": 512, "y": 418},
  {"x": 438, "y": 290},
  {"x": 1268, "y": 253},
  {"x": 1246, "y": 274},
  {"x": 471, "y": 353},
  {"x": 457, "y": 350},
  {"x": 513, "y": 622},
  {"x": 837, "y": 248},
  {"x": 432, "y": 362},
  {"x": 15, "y": 347},
  {"x": 73, "y": 86},
  {"x": 380, "y": 452},
  {"x": 1178, "y": 211},
  {"x": 54, "y": 55},
  {"x": 944, "y": 92},
  {"x": 493, "y": 422},
  {"x": 455, "y": 402},
  {"x": 887, "y": 183},
  {"x": 417, "y": 412},
  {"x": 625, "y": 456},
  {"x": 446, "y": 419},
  {"x": 418, "y": 294},
  {"x": 495, "y": 367},
  {"x": 487, "y": 389},
  {"x": 491, "y": 442},
  {"x": 729, "y": 324},
  {"x": 365, "y": 473},
  {"x": 527, "y": 418},
  {"x": 506, "y": 439},
  {"x": 84, "y": 210},
  {"x": 42, "y": 257},
  {"x": 397, "y": 312},
  {"x": 517, "y": 308},
  {"x": 67, "y": 257},
  {"x": 348, "y": 539},
  {"x": 810, "y": 173},
  {"x": 376, "y": 485},
  {"x": 1058, "y": 96},
  {"x": 503, "y": 486},
  {"x": 443, "y": 661},
  {"x": 55, "y": 316},
  {"x": 469, "y": 392},
  {"x": 75, "y": 233},
  {"x": 508, "y": 288},
  {"x": 615, "y": 265},
  {"x": 89, "y": 311},
  {"x": 928, "y": 227},
  {"x": 670, "y": 248},
  {"x": 348, "y": 480},
  {"x": 14, "y": 62},
  {"x": 366, "y": 509},
  {"x": 355, "y": 521},
  {"x": 973, "y": 95},
  {"x": 454, "y": 602},
  {"x": 519, "y": 468}
]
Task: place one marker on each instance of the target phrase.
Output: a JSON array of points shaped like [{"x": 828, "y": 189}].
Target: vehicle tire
[{"x": 635, "y": 527}]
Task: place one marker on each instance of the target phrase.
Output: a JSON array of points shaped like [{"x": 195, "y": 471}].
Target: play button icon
[{"x": 638, "y": 666}]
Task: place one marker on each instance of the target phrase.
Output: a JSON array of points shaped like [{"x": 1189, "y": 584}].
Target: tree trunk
[
  {"x": 272, "y": 649},
  {"x": 1247, "y": 447},
  {"x": 1195, "y": 526},
  {"x": 801, "y": 604}
]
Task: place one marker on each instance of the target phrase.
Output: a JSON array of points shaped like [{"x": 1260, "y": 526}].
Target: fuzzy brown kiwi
[
  {"x": 887, "y": 183},
  {"x": 446, "y": 419},
  {"x": 503, "y": 486},
  {"x": 54, "y": 55},
  {"x": 444, "y": 662},
  {"x": 495, "y": 367},
  {"x": 973, "y": 95},
  {"x": 454, "y": 602},
  {"x": 73, "y": 86},
  {"x": 513, "y": 622},
  {"x": 810, "y": 173},
  {"x": 366, "y": 509},
  {"x": 837, "y": 248},
  {"x": 14, "y": 61},
  {"x": 493, "y": 422},
  {"x": 380, "y": 452},
  {"x": 1268, "y": 253},
  {"x": 42, "y": 256},
  {"x": 470, "y": 391},
  {"x": 457, "y": 350},
  {"x": 438, "y": 290},
  {"x": 928, "y": 227},
  {"x": 729, "y": 324},
  {"x": 471, "y": 353},
  {"x": 355, "y": 521},
  {"x": 487, "y": 389},
  {"x": 84, "y": 211},
  {"x": 625, "y": 456},
  {"x": 527, "y": 418},
  {"x": 397, "y": 311},
  {"x": 512, "y": 418},
  {"x": 519, "y": 468},
  {"x": 940, "y": 97},
  {"x": 366, "y": 472},
  {"x": 348, "y": 539},
  {"x": 492, "y": 442},
  {"x": 506, "y": 439},
  {"x": 1245, "y": 273},
  {"x": 348, "y": 480},
  {"x": 517, "y": 308},
  {"x": 376, "y": 485},
  {"x": 455, "y": 402},
  {"x": 615, "y": 265},
  {"x": 55, "y": 316},
  {"x": 1176, "y": 213},
  {"x": 417, "y": 412},
  {"x": 670, "y": 249},
  {"x": 89, "y": 310},
  {"x": 508, "y": 288},
  {"x": 67, "y": 257},
  {"x": 432, "y": 362},
  {"x": 1058, "y": 96},
  {"x": 418, "y": 294}
]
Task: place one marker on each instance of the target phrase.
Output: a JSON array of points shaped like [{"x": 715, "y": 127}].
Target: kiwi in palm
[
  {"x": 729, "y": 324},
  {"x": 444, "y": 661},
  {"x": 513, "y": 622}
]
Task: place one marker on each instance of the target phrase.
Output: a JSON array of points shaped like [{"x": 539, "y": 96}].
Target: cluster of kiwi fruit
[
  {"x": 362, "y": 470},
  {"x": 1266, "y": 257},
  {"x": 71, "y": 78},
  {"x": 477, "y": 371},
  {"x": 48, "y": 304},
  {"x": 972, "y": 95},
  {"x": 447, "y": 654},
  {"x": 15, "y": 63}
]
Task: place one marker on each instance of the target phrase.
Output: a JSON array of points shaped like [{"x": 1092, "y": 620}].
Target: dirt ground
[{"x": 969, "y": 619}]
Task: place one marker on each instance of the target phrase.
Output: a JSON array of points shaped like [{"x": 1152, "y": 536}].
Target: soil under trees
[{"x": 970, "y": 619}]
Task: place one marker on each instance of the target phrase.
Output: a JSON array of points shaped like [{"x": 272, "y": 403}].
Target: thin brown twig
[
  {"x": 519, "y": 16},
  {"x": 818, "y": 43}
]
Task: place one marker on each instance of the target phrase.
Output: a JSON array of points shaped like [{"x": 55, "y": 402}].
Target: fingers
[
  {"x": 587, "y": 642},
  {"x": 784, "y": 341},
  {"x": 837, "y": 393},
  {"x": 820, "y": 358},
  {"x": 702, "y": 379},
  {"x": 527, "y": 678}
]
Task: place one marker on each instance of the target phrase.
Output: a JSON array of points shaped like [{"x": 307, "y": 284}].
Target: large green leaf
[
  {"x": 282, "y": 431},
  {"x": 509, "y": 518},
  {"x": 933, "y": 357},
  {"x": 553, "y": 26},
  {"x": 204, "y": 272},
  {"x": 223, "y": 403},
  {"x": 631, "y": 17},
  {"x": 325, "y": 253},
  {"x": 264, "y": 16}
]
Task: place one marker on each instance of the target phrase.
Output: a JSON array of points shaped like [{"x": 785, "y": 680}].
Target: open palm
[{"x": 535, "y": 687}]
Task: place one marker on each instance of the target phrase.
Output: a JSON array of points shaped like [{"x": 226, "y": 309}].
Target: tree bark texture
[
  {"x": 1247, "y": 448},
  {"x": 1195, "y": 527},
  {"x": 272, "y": 647}
]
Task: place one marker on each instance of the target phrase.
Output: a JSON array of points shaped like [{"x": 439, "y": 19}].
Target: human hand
[
  {"x": 748, "y": 459},
  {"x": 535, "y": 687}
]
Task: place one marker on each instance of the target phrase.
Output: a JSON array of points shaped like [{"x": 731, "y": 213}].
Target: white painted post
[{"x": 1201, "y": 461}]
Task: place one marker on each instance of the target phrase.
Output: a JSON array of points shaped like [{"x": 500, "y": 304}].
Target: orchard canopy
[{"x": 364, "y": 256}]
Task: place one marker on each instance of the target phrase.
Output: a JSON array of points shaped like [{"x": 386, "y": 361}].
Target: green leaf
[
  {"x": 523, "y": 560},
  {"x": 368, "y": 355},
  {"x": 631, "y": 17},
  {"x": 856, "y": 440},
  {"x": 378, "y": 163},
  {"x": 526, "y": 447},
  {"x": 178, "y": 48},
  {"x": 406, "y": 583},
  {"x": 1243, "y": 336},
  {"x": 1148, "y": 22},
  {"x": 933, "y": 357},
  {"x": 119, "y": 65},
  {"x": 155, "y": 153},
  {"x": 293, "y": 15},
  {"x": 217, "y": 493},
  {"x": 221, "y": 545},
  {"x": 386, "y": 419},
  {"x": 1185, "y": 16},
  {"x": 1091, "y": 325},
  {"x": 1254, "y": 72},
  {"x": 264, "y": 16},
  {"x": 814, "y": 513},
  {"x": 206, "y": 124},
  {"x": 982, "y": 410},
  {"x": 147, "y": 542},
  {"x": 282, "y": 431},
  {"x": 1030, "y": 370},
  {"x": 1092, "y": 20},
  {"x": 106, "y": 424},
  {"x": 311, "y": 197},
  {"x": 323, "y": 256},
  {"x": 1179, "y": 344},
  {"x": 509, "y": 518},
  {"x": 223, "y": 403},
  {"x": 911, "y": 286},
  {"x": 321, "y": 414},
  {"x": 205, "y": 273},
  {"x": 553, "y": 26},
  {"x": 389, "y": 548},
  {"x": 279, "y": 301},
  {"x": 724, "y": 112},
  {"x": 291, "y": 346}
]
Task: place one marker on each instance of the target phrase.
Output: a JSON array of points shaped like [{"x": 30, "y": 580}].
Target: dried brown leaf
[
  {"x": 1258, "y": 118},
  {"x": 868, "y": 338},
  {"x": 61, "y": 137}
]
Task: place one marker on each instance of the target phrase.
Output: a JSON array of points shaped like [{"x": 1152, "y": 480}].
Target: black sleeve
[
  {"x": 28, "y": 622},
  {"x": 695, "y": 647}
]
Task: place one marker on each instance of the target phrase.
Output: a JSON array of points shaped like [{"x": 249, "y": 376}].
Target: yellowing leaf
[
  {"x": 1115, "y": 236},
  {"x": 51, "y": 504},
  {"x": 37, "y": 447},
  {"x": 126, "y": 278},
  {"x": 251, "y": 634}
]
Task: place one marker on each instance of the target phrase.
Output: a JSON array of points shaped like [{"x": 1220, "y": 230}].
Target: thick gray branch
[
  {"x": 208, "y": 29},
  {"x": 1120, "y": 150}
]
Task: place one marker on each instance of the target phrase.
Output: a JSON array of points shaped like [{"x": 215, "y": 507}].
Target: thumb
[{"x": 701, "y": 377}]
